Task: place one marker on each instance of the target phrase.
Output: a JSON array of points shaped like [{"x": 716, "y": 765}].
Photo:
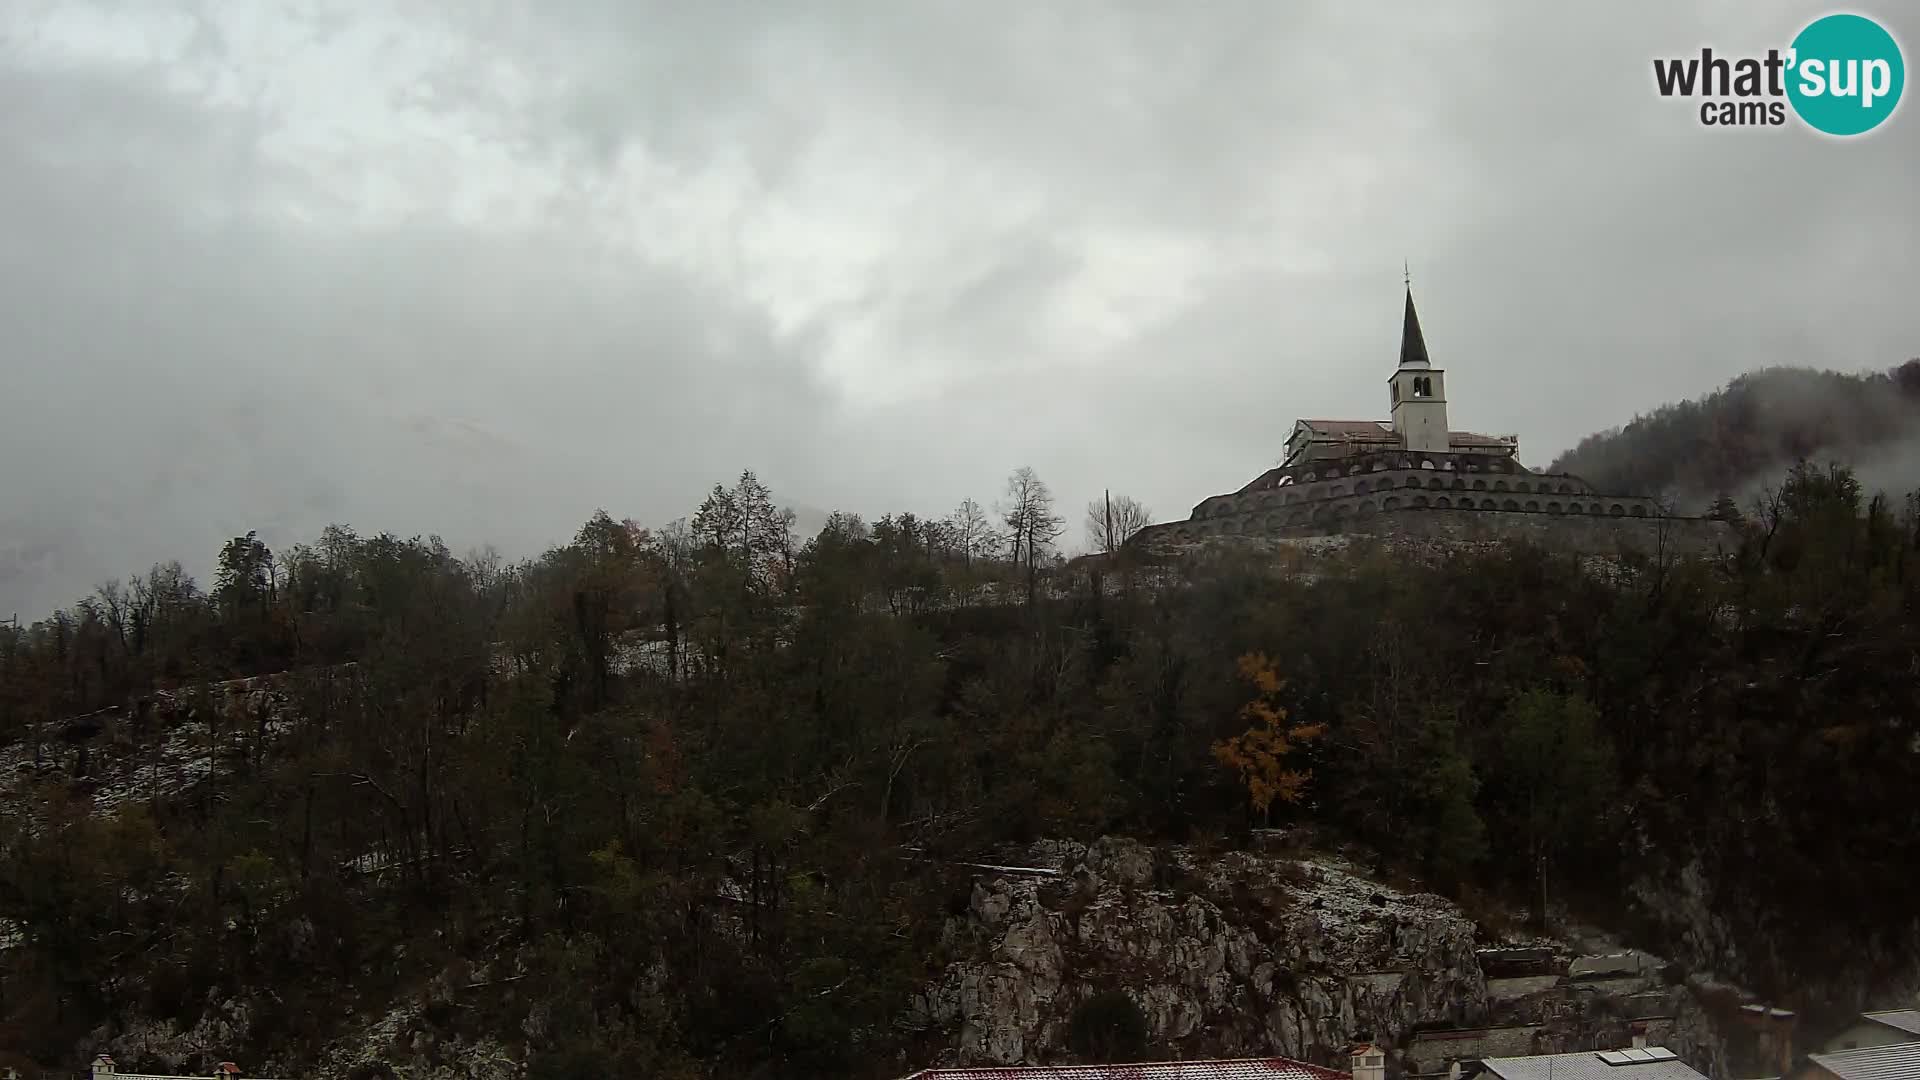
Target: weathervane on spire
[{"x": 1409, "y": 270}]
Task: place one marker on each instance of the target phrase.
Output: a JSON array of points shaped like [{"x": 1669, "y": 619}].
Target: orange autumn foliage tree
[{"x": 1260, "y": 754}]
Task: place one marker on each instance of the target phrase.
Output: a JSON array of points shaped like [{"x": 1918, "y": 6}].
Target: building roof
[
  {"x": 1895, "y": 1061},
  {"x": 1350, "y": 429},
  {"x": 1658, "y": 1063},
  {"x": 103, "y": 1066},
  {"x": 1413, "y": 344},
  {"x": 1468, "y": 438},
  {"x": 1907, "y": 1020},
  {"x": 1244, "y": 1069},
  {"x": 1382, "y": 431}
]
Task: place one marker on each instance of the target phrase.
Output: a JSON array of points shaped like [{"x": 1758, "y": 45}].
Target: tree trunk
[
  {"x": 306, "y": 835},
  {"x": 673, "y": 638},
  {"x": 1540, "y": 897}
]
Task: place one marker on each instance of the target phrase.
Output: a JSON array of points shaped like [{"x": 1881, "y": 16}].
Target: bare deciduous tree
[
  {"x": 1032, "y": 526},
  {"x": 1112, "y": 521},
  {"x": 973, "y": 535}
]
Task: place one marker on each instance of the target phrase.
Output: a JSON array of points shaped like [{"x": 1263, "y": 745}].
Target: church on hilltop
[{"x": 1414, "y": 475}]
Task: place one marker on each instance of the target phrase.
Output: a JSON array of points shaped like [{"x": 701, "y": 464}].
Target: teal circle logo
[{"x": 1845, "y": 74}]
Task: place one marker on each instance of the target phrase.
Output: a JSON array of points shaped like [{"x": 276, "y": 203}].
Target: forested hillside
[
  {"x": 535, "y": 795},
  {"x": 1735, "y": 439}
]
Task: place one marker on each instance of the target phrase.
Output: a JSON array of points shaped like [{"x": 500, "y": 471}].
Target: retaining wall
[{"x": 1618, "y": 526}]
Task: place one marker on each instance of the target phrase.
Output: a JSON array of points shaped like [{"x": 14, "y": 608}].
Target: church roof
[
  {"x": 1382, "y": 430},
  {"x": 1352, "y": 429},
  {"x": 1413, "y": 345},
  {"x": 1468, "y": 438}
]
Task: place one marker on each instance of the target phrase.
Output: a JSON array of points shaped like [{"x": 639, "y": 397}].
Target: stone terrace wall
[
  {"x": 1616, "y": 526},
  {"x": 1585, "y": 534},
  {"x": 1381, "y": 485}
]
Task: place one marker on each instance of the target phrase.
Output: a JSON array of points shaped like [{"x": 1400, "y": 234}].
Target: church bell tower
[{"x": 1419, "y": 392}]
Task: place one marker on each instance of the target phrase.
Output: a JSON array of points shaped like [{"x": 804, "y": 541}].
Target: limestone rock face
[
  {"x": 223, "y": 1025},
  {"x": 1240, "y": 955},
  {"x": 1250, "y": 953},
  {"x": 399, "y": 1044}
]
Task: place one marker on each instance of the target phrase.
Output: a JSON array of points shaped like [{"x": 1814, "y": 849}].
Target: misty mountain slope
[
  {"x": 284, "y": 466},
  {"x": 287, "y": 466},
  {"x": 1731, "y": 440}
]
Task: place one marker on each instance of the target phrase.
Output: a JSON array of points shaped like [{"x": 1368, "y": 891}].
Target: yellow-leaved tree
[{"x": 1260, "y": 754}]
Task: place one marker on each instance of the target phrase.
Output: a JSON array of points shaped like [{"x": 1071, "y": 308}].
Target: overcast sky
[{"x": 477, "y": 268}]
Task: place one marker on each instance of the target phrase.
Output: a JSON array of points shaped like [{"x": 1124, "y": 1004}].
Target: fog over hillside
[
  {"x": 459, "y": 481},
  {"x": 1740, "y": 439}
]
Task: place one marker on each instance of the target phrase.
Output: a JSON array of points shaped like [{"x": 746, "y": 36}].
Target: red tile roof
[{"x": 1245, "y": 1069}]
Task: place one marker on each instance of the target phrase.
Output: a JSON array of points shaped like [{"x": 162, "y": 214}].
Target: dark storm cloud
[{"x": 882, "y": 252}]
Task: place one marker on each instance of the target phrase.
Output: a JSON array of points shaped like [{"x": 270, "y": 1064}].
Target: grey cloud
[
  {"x": 172, "y": 382},
  {"x": 887, "y": 240}
]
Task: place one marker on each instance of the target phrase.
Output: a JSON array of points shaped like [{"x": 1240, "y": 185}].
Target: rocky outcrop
[
  {"x": 404, "y": 1043},
  {"x": 1240, "y": 953},
  {"x": 159, "y": 1044},
  {"x": 1245, "y": 953},
  {"x": 157, "y": 747}
]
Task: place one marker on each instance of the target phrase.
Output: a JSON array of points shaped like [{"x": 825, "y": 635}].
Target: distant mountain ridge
[{"x": 1730, "y": 441}]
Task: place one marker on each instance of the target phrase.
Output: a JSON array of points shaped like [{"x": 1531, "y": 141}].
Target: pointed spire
[{"x": 1413, "y": 346}]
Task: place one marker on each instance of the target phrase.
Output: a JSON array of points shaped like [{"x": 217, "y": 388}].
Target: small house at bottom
[
  {"x": 104, "y": 1069},
  {"x": 1892, "y": 1061},
  {"x": 1878, "y": 1029},
  {"x": 1640, "y": 1063},
  {"x": 1369, "y": 1063}
]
